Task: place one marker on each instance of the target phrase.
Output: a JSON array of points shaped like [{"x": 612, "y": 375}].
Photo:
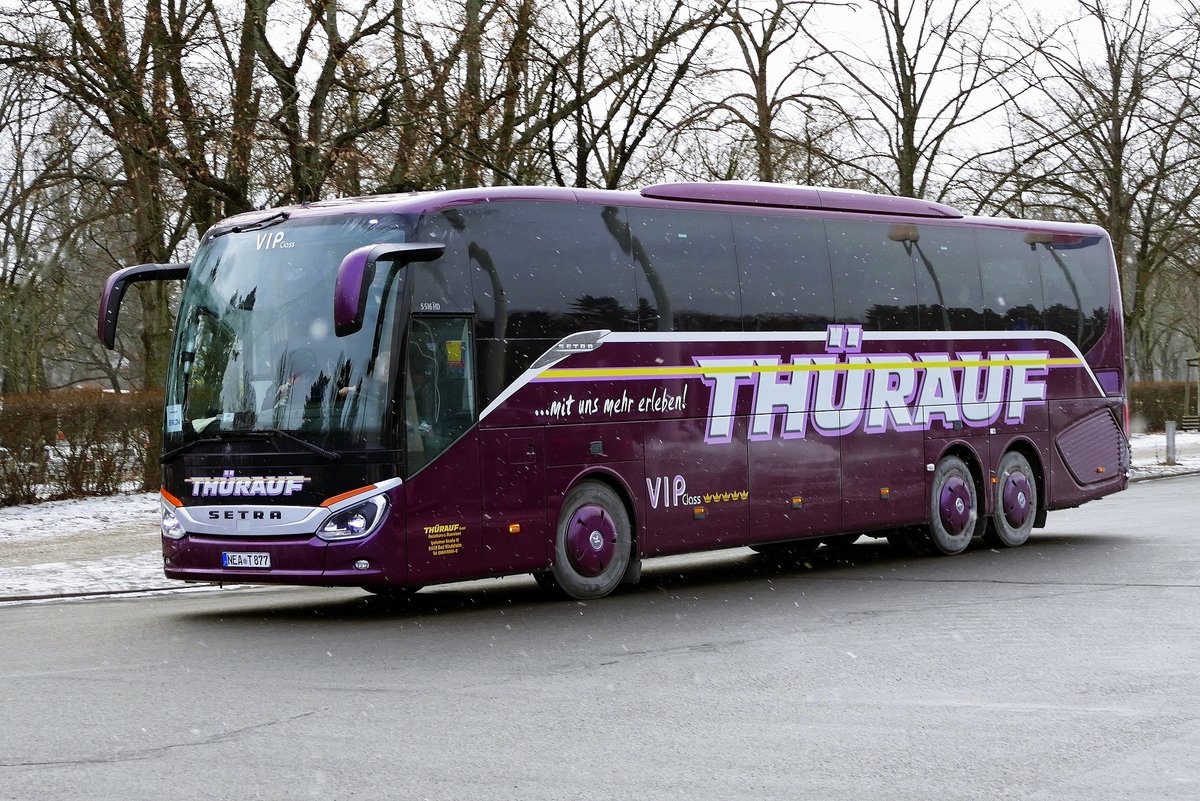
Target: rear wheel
[
  {"x": 1015, "y": 504},
  {"x": 592, "y": 544},
  {"x": 953, "y": 510}
]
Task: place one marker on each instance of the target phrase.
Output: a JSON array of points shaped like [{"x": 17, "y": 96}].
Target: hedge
[
  {"x": 73, "y": 444},
  {"x": 1151, "y": 404}
]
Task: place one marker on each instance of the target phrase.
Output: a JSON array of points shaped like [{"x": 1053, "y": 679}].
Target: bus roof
[{"x": 728, "y": 195}]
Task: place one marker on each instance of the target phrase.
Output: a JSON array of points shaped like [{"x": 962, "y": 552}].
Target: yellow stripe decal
[{"x": 697, "y": 372}]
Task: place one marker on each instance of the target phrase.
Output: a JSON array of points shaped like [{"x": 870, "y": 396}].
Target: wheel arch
[
  {"x": 974, "y": 463},
  {"x": 1032, "y": 455},
  {"x": 617, "y": 484}
]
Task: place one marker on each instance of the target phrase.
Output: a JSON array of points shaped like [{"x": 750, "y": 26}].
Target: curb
[{"x": 1191, "y": 471}]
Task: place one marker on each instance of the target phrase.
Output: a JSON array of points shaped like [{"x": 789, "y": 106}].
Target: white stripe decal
[{"x": 851, "y": 337}]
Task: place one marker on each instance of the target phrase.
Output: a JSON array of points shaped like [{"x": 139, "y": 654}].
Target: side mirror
[
  {"x": 357, "y": 271},
  {"x": 118, "y": 283}
]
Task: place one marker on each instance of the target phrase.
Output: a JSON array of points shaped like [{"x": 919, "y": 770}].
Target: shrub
[
  {"x": 70, "y": 444},
  {"x": 1151, "y": 404},
  {"x": 27, "y": 428}
]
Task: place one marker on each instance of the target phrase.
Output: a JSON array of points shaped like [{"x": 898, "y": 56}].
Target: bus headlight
[
  {"x": 171, "y": 528},
  {"x": 357, "y": 521}
]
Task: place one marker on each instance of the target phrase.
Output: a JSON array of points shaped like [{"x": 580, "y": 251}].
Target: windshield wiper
[
  {"x": 262, "y": 433},
  {"x": 187, "y": 446},
  {"x": 332, "y": 456},
  {"x": 265, "y": 222}
]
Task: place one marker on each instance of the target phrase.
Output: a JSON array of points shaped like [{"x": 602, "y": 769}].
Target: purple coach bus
[{"x": 392, "y": 392}]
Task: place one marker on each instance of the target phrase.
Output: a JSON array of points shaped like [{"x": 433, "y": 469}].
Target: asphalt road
[{"x": 1066, "y": 669}]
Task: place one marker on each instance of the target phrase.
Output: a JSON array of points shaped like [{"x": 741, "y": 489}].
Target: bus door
[
  {"x": 443, "y": 452},
  {"x": 514, "y": 535}
]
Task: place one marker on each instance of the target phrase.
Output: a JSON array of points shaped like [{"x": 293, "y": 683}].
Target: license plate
[{"x": 236, "y": 559}]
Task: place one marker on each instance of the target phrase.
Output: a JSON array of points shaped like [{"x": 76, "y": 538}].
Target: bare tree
[
  {"x": 28, "y": 285},
  {"x": 604, "y": 139},
  {"x": 933, "y": 81},
  {"x": 1117, "y": 133},
  {"x": 770, "y": 109},
  {"x": 320, "y": 119},
  {"x": 555, "y": 88}
]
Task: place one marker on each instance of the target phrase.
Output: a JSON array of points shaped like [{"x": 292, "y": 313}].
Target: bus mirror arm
[
  {"x": 116, "y": 286},
  {"x": 357, "y": 271}
]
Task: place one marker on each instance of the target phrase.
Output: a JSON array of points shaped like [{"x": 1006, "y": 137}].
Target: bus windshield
[{"x": 255, "y": 348}]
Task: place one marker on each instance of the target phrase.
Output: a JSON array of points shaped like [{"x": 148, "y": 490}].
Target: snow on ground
[{"x": 109, "y": 545}]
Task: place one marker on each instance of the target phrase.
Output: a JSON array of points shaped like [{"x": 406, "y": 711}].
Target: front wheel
[
  {"x": 1015, "y": 503},
  {"x": 592, "y": 544}
]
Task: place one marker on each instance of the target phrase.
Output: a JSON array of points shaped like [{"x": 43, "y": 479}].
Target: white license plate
[{"x": 236, "y": 559}]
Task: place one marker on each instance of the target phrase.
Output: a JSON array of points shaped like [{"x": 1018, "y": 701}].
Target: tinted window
[
  {"x": 1012, "y": 283},
  {"x": 786, "y": 284},
  {"x": 873, "y": 277},
  {"x": 443, "y": 285},
  {"x": 439, "y": 392},
  {"x": 686, "y": 271},
  {"x": 1076, "y": 285},
  {"x": 545, "y": 270},
  {"x": 501, "y": 361},
  {"x": 948, "y": 284}
]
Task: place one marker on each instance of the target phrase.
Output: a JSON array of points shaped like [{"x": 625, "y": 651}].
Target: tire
[
  {"x": 592, "y": 544},
  {"x": 953, "y": 510},
  {"x": 1015, "y": 503}
]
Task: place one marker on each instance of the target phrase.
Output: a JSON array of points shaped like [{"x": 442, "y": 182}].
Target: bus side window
[
  {"x": 1075, "y": 280},
  {"x": 686, "y": 271},
  {"x": 948, "y": 283},
  {"x": 784, "y": 267},
  {"x": 439, "y": 390},
  {"x": 874, "y": 277},
  {"x": 546, "y": 270},
  {"x": 1012, "y": 283},
  {"x": 541, "y": 271}
]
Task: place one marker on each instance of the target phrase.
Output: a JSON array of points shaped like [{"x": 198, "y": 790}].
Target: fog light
[{"x": 362, "y": 564}]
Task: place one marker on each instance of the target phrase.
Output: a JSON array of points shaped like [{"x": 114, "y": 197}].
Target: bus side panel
[
  {"x": 443, "y": 522},
  {"x": 883, "y": 483},
  {"x": 514, "y": 495},
  {"x": 697, "y": 493},
  {"x": 795, "y": 488},
  {"x": 1089, "y": 456}
]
